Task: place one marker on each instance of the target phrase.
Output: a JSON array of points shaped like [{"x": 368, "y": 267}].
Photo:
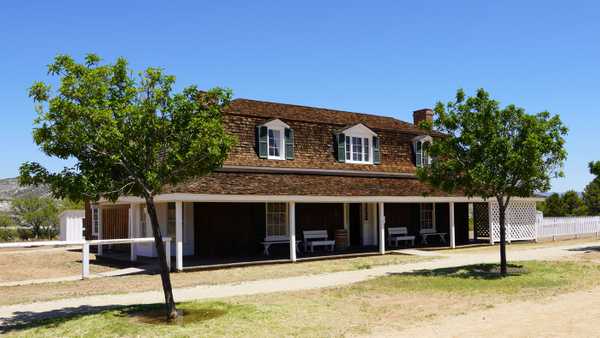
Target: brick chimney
[{"x": 422, "y": 115}]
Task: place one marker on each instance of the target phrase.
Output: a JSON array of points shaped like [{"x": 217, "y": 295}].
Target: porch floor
[{"x": 191, "y": 263}]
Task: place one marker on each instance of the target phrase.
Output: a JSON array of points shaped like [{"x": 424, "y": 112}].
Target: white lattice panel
[{"x": 520, "y": 221}]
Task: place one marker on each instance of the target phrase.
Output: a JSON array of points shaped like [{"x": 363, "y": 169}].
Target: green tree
[
  {"x": 6, "y": 220},
  {"x": 591, "y": 193},
  {"x": 39, "y": 214},
  {"x": 573, "y": 204},
  {"x": 553, "y": 206},
  {"x": 494, "y": 152},
  {"x": 128, "y": 134}
]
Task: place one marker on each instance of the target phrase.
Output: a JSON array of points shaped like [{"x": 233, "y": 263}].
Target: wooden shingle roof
[{"x": 292, "y": 112}]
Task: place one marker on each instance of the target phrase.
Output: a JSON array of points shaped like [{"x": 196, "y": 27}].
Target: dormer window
[
  {"x": 275, "y": 140},
  {"x": 421, "y": 145},
  {"x": 358, "y": 144}
]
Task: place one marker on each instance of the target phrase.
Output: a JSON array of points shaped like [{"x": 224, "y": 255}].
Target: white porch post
[
  {"x": 452, "y": 230},
  {"x": 133, "y": 208},
  {"x": 179, "y": 235},
  {"x": 292, "y": 232},
  {"x": 99, "y": 210},
  {"x": 381, "y": 229}
]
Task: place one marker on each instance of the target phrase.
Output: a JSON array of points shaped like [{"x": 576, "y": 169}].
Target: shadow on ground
[
  {"x": 477, "y": 271},
  {"x": 146, "y": 314},
  {"x": 586, "y": 249}
]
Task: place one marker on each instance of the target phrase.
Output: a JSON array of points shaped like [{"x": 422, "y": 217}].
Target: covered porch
[{"x": 216, "y": 232}]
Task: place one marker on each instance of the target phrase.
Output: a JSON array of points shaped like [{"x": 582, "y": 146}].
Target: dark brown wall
[
  {"x": 115, "y": 221},
  {"x": 228, "y": 229},
  {"x": 319, "y": 216},
  {"x": 402, "y": 215},
  {"x": 461, "y": 222},
  {"x": 408, "y": 215},
  {"x": 315, "y": 147},
  {"x": 87, "y": 221}
]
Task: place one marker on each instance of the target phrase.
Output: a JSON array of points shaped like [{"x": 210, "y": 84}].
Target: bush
[
  {"x": 25, "y": 234},
  {"x": 8, "y": 234}
]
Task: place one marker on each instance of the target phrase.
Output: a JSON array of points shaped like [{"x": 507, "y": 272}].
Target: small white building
[{"x": 71, "y": 225}]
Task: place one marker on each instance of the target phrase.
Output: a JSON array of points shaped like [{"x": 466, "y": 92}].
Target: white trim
[
  {"x": 359, "y": 130},
  {"x": 189, "y": 197},
  {"x": 275, "y": 124}
]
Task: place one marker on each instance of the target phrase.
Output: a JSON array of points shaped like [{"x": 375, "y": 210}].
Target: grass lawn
[
  {"x": 396, "y": 301},
  {"x": 145, "y": 282},
  {"x": 519, "y": 245}
]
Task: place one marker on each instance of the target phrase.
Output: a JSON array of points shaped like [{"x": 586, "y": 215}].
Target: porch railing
[{"x": 85, "y": 246}]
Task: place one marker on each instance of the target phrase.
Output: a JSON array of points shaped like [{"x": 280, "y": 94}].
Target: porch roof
[{"x": 294, "y": 184}]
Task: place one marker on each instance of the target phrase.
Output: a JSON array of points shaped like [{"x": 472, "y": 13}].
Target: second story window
[
  {"x": 421, "y": 145},
  {"x": 275, "y": 146},
  {"x": 275, "y": 140},
  {"x": 357, "y": 149},
  {"x": 358, "y": 144}
]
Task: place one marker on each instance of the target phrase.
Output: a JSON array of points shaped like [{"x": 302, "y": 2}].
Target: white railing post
[
  {"x": 85, "y": 261},
  {"x": 491, "y": 226}
]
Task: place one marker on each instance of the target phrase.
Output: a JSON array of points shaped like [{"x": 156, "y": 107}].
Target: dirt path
[
  {"x": 568, "y": 315},
  {"x": 28, "y": 312}
]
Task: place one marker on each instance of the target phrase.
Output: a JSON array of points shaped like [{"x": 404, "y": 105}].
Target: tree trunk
[
  {"x": 164, "y": 269},
  {"x": 502, "y": 220}
]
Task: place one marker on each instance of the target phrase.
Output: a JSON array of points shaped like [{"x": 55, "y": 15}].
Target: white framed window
[
  {"x": 358, "y": 149},
  {"x": 427, "y": 216},
  {"x": 421, "y": 145},
  {"x": 276, "y": 220},
  {"x": 358, "y": 141},
  {"x": 171, "y": 214},
  {"x": 276, "y": 145},
  {"x": 144, "y": 222},
  {"x": 95, "y": 220}
]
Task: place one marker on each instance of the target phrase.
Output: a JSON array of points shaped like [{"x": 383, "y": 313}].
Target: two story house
[{"x": 300, "y": 170}]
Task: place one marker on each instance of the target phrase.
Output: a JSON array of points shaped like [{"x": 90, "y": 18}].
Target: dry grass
[
  {"x": 43, "y": 263},
  {"x": 144, "y": 282},
  {"x": 393, "y": 302}
]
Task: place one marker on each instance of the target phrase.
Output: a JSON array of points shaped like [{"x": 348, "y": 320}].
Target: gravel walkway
[{"x": 23, "y": 313}]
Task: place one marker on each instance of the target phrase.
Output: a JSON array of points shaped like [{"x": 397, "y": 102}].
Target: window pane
[
  {"x": 274, "y": 142},
  {"x": 366, "y": 149},
  {"x": 357, "y": 149},
  {"x": 276, "y": 219},
  {"x": 171, "y": 219},
  {"x": 347, "y": 147},
  {"x": 426, "y": 216}
]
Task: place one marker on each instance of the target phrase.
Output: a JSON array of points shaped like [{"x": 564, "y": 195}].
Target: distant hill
[{"x": 10, "y": 188}]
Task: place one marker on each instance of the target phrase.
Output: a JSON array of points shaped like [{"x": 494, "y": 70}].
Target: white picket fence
[{"x": 553, "y": 227}]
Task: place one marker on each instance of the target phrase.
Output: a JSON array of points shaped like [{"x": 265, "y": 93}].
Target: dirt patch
[
  {"x": 44, "y": 263},
  {"x": 565, "y": 315}
]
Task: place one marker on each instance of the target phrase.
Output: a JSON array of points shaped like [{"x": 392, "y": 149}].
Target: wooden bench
[
  {"x": 399, "y": 234},
  {"x": 313, "y": 238},
  {"x": 425, "y": 233},
  {"x": 270, "y": 240}
]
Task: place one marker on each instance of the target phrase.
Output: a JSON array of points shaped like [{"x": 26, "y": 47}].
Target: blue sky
[{"x": 383, "y": 57}]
